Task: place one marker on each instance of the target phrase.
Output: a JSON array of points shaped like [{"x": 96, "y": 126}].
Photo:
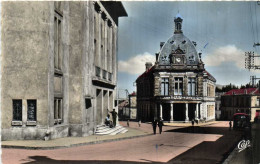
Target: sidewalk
[{"x": 73, "y": 141}]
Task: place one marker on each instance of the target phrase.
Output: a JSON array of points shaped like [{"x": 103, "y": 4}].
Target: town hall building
[{"x": 177, "y": 87}]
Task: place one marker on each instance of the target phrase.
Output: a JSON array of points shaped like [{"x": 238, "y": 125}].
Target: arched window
[{"x": 178, "y": 25}]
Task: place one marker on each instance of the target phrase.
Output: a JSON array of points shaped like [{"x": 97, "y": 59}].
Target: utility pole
[{"x": 250, "y": 61}]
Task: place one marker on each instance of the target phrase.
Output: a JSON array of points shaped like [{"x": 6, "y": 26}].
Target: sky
[{"x": 229, "y": 28}]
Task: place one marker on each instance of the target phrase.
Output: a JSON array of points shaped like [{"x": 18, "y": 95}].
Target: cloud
[
  {"x": 229, "y": 53},
  {"x": 136, "y": 64}
]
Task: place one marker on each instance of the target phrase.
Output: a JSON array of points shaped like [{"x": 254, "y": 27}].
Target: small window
[
  {"x": 17, "y": 110},
  {"x": 58, "y": 110},
  {"x": 32, "y": 108},
  {"x": 115, "y": 103},
  {"x": 88, "y": 103}
]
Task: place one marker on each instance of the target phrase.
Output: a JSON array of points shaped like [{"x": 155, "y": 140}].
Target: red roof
[
  {"x": 209, "y": 75},
  {"x": 133, "y": 94},
  {"x": 243, "y": 91},
  {"x": 145, "y": 73}
]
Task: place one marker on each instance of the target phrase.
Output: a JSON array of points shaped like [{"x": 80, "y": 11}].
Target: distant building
[
  {"x": 240, "y": 101},
  {"x": 177, "y": 87},
  {"x": 127, "y": 108},
  {"x": 218, "y": 105},
  {"x": 59, "y": 67}
]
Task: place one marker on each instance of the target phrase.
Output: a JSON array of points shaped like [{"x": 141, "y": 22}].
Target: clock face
[{"x": 178, "y": 60}]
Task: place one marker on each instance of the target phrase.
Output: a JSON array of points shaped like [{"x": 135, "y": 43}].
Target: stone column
[
  {"x": 171, "y": 112},
  {"x": 186, "y": 111},
  {"x": 161, "y": 111},
  {"x": 197, "y": 111}
]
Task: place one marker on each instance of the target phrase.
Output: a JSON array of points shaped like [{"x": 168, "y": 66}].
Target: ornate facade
[
  {"x": 177, "y": 87},
  {"x": 59, "y": 67}
]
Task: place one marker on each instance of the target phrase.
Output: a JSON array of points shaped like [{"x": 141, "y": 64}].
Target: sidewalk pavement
[
  {"x": 134, "y": 131},
  {"x": 73, "y": 141}
]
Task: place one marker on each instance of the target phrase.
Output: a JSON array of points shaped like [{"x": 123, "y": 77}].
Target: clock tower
[{"x": 177, "y": 57}]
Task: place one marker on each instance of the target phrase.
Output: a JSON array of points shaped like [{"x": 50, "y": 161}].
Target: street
[{"x": 207, "y": 144}]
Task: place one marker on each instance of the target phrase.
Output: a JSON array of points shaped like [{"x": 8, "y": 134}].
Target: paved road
[{"x": 175, "y": 145}]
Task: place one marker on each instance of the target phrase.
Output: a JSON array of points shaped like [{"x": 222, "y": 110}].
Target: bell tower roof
[{"x": 178, "y": 23}]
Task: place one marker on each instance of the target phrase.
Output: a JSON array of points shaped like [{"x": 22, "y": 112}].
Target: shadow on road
[
  {"x": 208, "y": 152},
  {"x": 202, "y": 130},
  {"x": 46, "y": 160}
]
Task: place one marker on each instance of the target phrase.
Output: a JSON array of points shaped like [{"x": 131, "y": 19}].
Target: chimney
[
  {"x": 148, "y": 65},
  {"x": 161, "y": 44}
]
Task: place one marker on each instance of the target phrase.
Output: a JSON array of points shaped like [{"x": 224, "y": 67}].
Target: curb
[{"x": 72, "y": 145}]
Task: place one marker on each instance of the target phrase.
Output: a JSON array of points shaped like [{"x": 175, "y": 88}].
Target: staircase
[{"x": 105, "y": 130}]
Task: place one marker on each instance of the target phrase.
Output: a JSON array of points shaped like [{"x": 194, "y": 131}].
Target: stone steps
[{"x": 105, "y": 130}]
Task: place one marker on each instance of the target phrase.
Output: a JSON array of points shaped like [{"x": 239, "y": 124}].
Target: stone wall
[{"x": 25, "y": 59}]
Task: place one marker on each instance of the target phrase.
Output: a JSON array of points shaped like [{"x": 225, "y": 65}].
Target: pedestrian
[
  {"x": 139, "y": 123},
  {"x": 160, "y": 124},
  {"x": 154, "y": 124},
  {"x": 192, "y": 122},
  {"x": 108, "y": 121},
  {"x": 114, "y": 115},
  {"x": 230, "y": 124},
  {"x": 128, "y": 123}
]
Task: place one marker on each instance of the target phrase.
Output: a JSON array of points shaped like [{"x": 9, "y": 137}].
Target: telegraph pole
[{"x": 250, "y": 61}]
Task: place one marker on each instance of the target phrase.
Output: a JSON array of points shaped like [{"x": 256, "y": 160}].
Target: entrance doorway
[
  {"x": 99, "y": 106},
  {"x": 166, "y": 109},
  {"x": 179, "y": 112},
  {"x": 192, "y": 109}
]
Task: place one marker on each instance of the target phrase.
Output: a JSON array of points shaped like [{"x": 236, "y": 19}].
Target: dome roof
[
  {"x": 182, "y": 42},
  {"x": 178, "y": 43}
]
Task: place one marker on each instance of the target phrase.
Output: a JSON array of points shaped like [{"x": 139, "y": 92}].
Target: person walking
[
  {"x": 230, "y": 125},
  {"x": 128, "y": 123},
  {"x": 154, "y": 124},
  {"x": 114, "y": 116},
  {"x": 139, "y": 123},
  {"x": 160, "y": 124}
]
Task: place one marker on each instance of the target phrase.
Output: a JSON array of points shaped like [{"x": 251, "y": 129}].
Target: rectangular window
[
  {"x": 165, "y": 87},
  {"x": 57, "y": 42},
  {"x": 88, "y": 104},
  {"x": 178, "y": 86},
  {"x": 58, "y": 110},
  {"x": 17, "y": 110},
  {"x": 104, "y": 74},
  {"x": 98, "y": 71},
  {"x": 31, "y": 110},
  {"x": 191, "y": 86},
  {"x": 110, "y": 76}
]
